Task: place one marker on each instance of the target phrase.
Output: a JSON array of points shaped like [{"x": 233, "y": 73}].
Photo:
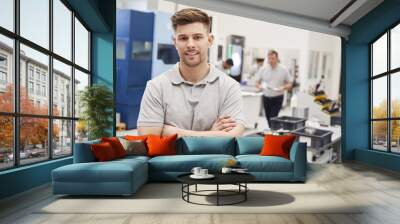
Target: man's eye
[
  {"x": 183, "y": 38},
  {"x": 197, "y": 37}
]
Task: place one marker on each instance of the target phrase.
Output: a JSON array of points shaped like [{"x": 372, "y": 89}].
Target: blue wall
[
  {"x": 100, "y": 17},
  {"x": 356, "y": 94}
]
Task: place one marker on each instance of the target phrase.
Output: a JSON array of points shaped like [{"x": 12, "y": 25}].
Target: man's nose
[{"x": 190, "y": 42}]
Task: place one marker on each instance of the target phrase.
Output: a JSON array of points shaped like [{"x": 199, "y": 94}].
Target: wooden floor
[{"x": 377, "y": 188}]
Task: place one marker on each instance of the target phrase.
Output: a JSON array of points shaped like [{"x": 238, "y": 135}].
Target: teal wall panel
[{"x": 356, "y": 94}]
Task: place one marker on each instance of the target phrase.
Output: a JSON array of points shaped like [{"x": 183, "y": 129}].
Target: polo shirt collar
[{"x": 176, "y": 78}]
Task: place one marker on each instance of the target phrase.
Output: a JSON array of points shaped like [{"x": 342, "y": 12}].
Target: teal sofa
[{"x": 125, "y": 176}]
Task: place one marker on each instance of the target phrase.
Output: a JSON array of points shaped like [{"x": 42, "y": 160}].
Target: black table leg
[
  {"x": 217, "y": 194},
  {"x": 196, "y": 188},
  {"x": 245, "y": 193}
]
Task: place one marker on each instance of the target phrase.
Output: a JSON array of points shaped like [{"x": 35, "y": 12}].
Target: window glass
[
  {"x": 62, "y": 91},
  {"x": 39, "y": 61},
  {"x": 395, "y": 95},
  {"x": 35, "y": 21},
  {"x": 395, "y": 136},
  {"x": 81, "y": 45},
  {"x": 81, "y": 82},
  {"x": 62, "y": 29},
  {"x": 379, "y": 135},
  {"x": 379, "y": 56},
  {"x": 81, "y": 131},
  {"x": 141, "y": 50},
  {"x": 395, "y": 47},
  {"x": 6, "y": 142},
  {"x": 6, "y": 74},
  {"x": 62, "y": 138},
  {"x": 33, "y": 140},
  {"x": 121, "y": 48},
  {"x": 379, "y": 98},
  {"x": 7, "y": 14}
]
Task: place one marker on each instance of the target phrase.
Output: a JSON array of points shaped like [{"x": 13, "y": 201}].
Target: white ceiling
[
  {"x": 314, "y": 15},
  {"x": 319, "y": 9}
]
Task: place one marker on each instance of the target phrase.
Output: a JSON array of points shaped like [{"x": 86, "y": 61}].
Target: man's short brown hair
[
  {"x": 190, "y": 15},
  {"x": 270, "y": 52}
]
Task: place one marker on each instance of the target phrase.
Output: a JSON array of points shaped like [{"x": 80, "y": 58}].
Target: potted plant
[{"x": 96, "y": 103}]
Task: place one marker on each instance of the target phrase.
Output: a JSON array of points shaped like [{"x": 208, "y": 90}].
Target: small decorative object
[
  {"x": 226, "y": 170},
  {"x": 231, "y": 163}
]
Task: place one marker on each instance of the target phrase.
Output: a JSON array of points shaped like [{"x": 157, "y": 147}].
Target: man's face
[
  {"x": 272, "y": 60},
  {"x": 192, "y": 42}
]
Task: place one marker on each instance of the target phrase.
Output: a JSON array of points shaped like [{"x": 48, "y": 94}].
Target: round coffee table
[{"x": 238, "y": 179}]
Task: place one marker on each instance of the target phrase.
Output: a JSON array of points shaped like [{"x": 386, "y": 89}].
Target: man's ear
[{"x": 210, "y": 39}]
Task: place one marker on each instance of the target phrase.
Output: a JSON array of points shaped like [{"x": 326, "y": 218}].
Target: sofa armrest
[
  {"x": 83, "y": 152},
  {"x": 298, "y": 155}
]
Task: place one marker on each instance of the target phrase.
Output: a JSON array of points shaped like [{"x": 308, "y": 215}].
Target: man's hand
[{"x": 224, "y": 123}]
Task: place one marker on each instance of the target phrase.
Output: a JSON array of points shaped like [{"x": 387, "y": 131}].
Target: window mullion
[
  {"x": 73, "y": 82},
  {"x": 50, "y": 79}
]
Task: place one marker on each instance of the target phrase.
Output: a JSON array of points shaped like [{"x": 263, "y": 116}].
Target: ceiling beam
[
  {"x": 346, "y": 12},
  {"x": 268, "y": 15}
]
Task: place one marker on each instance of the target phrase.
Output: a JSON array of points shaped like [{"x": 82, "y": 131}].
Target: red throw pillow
[
  {"x": 277, "y": 145},
  {"x": 136, "y": 138},
  {"x": 161, "y": 145},
  {"x": 116, "y": 145},
  {"x": 103, "y": 152}
]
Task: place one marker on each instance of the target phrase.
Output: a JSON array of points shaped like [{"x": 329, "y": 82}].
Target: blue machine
[{"x": 144, "y": 50}]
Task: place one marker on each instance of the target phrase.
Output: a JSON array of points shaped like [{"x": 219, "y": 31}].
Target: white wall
[{"x": 288, "y": 41}]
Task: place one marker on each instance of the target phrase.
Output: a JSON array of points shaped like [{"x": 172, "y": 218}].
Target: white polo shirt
[
  {"x": 169, "y": 99},
  {"x": 273, "y": 79}
]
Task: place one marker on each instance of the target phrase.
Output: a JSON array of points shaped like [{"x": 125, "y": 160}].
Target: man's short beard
[{"x": 192, "y": 65}]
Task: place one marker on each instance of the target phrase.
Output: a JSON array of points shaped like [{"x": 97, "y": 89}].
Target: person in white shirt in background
[
  {"x": 253, "y": 71},
  {"x": 273, "y": 79},
  {"x": 225, "y": 66}
]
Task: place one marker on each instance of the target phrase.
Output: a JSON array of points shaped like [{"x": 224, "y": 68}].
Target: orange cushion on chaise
[
  {"x": 277, "y": 145},
  {"x": 103, "y": 152},
  {"x": 116, "y": 145}
]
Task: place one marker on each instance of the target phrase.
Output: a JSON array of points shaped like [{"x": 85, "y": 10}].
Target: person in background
[
  {"x": 225, "y": 66},
  {"x": 273, "y": 79},
  {"x": 256, "y": 67},
  {"x": 193, "y": 98}
]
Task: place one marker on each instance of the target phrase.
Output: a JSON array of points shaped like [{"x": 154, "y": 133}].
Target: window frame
[
  {"x": 388, "y": 74},
  {"x": 16, "y": 114}
]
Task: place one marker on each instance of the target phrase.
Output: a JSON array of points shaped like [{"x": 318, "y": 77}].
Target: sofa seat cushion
[
  {"x": 257, "y": 163},
  {"x": 185, "y": 163},
  {"x": 196, "y": 145},
  {"x": 113, "y": 171}
]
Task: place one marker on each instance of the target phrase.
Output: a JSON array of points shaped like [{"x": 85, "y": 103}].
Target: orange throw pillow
[
  {"x": 116, "y": 145},
  {"x": 103, "y": 152},
  {"x": 135, "y": 138},
  {"x": 161, "y": 145},
  {"x": 277, "y": 145}
]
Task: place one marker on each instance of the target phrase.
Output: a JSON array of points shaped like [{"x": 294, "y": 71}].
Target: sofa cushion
[
  {"x": 206, "y": 145},
  {"x": 116, "y": 145},
  {"x": 134, "y": 147},
  {"x": 185, "y": 163},
  {"x": 83, "y": 152},
  {"x": 103, "y": 152},
  {"x": 257, "y": 163},
  {"x": 161, "y": 145},
  {"x": 112, "y": 171},
  {"x": 249, "y": 145},
  {"x": 277, "y": 145}
]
